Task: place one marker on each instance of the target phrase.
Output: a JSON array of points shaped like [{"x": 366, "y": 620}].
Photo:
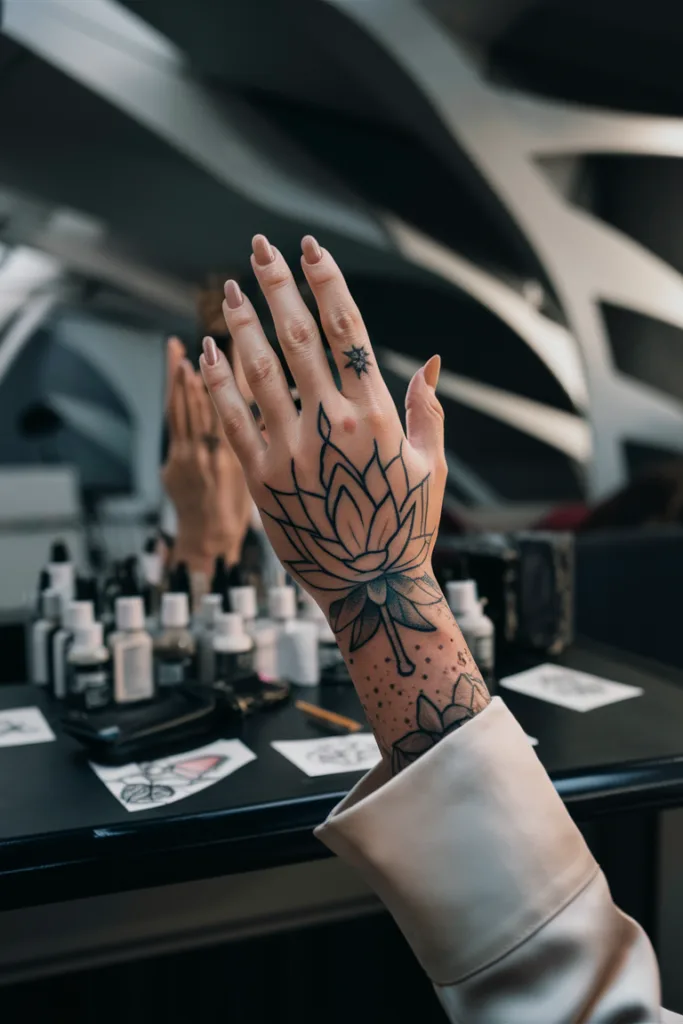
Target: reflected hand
[{"x": 202, "y": 476}]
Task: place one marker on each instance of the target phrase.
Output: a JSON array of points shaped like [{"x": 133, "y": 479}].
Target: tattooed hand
[{"x": 350, "y": 502}]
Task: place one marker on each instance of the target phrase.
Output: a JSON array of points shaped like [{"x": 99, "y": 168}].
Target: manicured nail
[
  {"x": 432, "y": 369},
  {"x": 311, "y": 250},
  {"x": 233, "y": 295},
  {"x": 263, "y": 250},
  {"x": 210, "y": 351}
]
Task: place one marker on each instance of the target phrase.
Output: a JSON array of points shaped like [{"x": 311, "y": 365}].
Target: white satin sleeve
[{"x": 475, "y": 856}]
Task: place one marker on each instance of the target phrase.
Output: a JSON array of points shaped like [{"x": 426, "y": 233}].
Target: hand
[
  {"x": 350, "y": 503},
  {"x": 202, "y": 475}
]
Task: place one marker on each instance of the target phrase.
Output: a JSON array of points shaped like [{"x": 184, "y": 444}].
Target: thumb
[{"x": 424, "y": 415}]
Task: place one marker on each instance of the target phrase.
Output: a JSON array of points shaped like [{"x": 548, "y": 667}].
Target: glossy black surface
[{"x": 62, "y": 835}]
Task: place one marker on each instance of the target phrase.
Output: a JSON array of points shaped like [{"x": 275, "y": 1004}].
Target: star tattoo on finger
[{"x": 358, "y": 359}]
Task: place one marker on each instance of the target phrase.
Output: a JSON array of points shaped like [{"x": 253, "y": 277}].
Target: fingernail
[
  {"x": 233, "y": 295},
  {"x": 311, "y": 250},
  {"x": 263, "y": 250},
  {"x": 432, "y": 369},
  {"x": 210, "y": 351}
]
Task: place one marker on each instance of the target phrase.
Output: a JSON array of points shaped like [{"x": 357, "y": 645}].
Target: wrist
[{"x": 200, "y": 551}]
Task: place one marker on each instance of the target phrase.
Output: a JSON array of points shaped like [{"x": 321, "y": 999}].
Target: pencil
[{"x": 328, "y": 719}]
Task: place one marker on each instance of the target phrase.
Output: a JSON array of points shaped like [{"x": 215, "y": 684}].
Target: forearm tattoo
[
  {"x": 468, "y": 698},
  {"x": 362, "y": 537}
]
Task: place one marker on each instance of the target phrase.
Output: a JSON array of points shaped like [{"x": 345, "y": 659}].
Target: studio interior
[{"x": 341, "y": 507}]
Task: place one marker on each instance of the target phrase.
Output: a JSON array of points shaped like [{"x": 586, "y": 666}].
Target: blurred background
[{"x": 499, "y": 181}]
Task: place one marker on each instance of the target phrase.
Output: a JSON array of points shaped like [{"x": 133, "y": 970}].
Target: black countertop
[{"x": 64, "y": 836}]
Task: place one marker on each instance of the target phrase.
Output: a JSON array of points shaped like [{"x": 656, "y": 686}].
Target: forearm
[{"x": 440, "y": 690}]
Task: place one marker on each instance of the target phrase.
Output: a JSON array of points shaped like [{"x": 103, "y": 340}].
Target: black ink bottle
[
  {"x": 174, "y": 647},
  {"x": 88, "y": 670}
]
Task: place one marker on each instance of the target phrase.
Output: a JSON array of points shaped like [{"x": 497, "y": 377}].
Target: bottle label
[
  {"x": 133, "y": 675},
  {"x": 232, "y": 664},
  {"x": 90, "y": 687},
  {"x": 173, "y": 673}
]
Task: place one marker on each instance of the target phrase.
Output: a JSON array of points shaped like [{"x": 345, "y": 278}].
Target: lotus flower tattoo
[
  {"x": 468, "y": 698},
  {"x": 360, "y": 536}
]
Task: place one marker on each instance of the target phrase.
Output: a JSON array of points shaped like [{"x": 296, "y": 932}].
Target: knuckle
[
  {"x": 260, "y": 371},
  {"x": 342, "y": 322},
  {"x": 232, "y": 422},
  {"x": 298, "y": 333},
  {"x": 275, "y": 277},
  {"x": 376, "y": 418}
]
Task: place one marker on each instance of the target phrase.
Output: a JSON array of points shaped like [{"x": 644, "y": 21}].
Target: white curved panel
[
  {"x": 551, "y": 342},
  {"x": 169, "y": 103},
  {"x": 561, "y": 430},
  {"x": 586, "y": 260}
]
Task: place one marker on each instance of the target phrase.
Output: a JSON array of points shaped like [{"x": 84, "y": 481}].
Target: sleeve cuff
[{"x": 470, "y": 848}]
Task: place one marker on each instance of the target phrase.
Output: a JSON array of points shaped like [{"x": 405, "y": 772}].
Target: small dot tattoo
[
  {"x": 425, "y": 677},
  {"x": 440, "y": 647},
  {"x": 417, "y": 647},
  {"x": 376, "y": 690},
  {"x": 428, "y": 660}
]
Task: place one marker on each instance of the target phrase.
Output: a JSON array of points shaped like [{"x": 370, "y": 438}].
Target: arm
[{"x": 459, "y": 829}]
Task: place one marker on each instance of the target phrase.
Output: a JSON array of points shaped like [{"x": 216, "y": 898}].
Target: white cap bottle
[
  {"x": 262, "y": 631},
  {"x": 77, "y": 614},
  {"x": 131, "y": 650},
  {"x": 88, "y": 677},
  {"x": 211, "y": 608},
  {"x": 243, "y": 601},
  {"x": 329, "y": 652},
  {"x": 297, "y": 657},
  {"x": 233, "y": 648},
  {"x": 175, "y": 611},
  {"x": 174, "y": 647},
  {"x": 476, "y": 627},
  {"x": 42, "y": 631}
]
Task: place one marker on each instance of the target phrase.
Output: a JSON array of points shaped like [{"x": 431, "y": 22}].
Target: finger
[
  {"x": 192, "y": 403},
  {"x": 424, "y": 415},
  {"x": 237, "y": 421},
  {"x": 206, "y": 409},
  {"x": 342, "y": 323},
  {"x": 175, "y": 353},
  {"x": 295, "y": 326},
  {"x": 262, "y": 368},
  {"x": 177, "y": 412}
]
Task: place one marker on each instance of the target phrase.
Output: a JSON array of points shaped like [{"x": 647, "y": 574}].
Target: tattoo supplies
[
  {"x": 297, "y": 640},
  {"x": 42, "y": 633},
  {"x": 328, "y": 648},
  {"x": 528, "y": 579},
  {"x": 233, "y": 649},
  {"x": 61, "y": 570},
  {"x": 88, "y": 675},
  {"x": 152, "y": 571},
  {"x": 475, "y": 626},
  {"x": 77, "y": 615},
  {"x": 328, "y": 721},
  {"x": 174, "y": 647},
  {"x": 131, "y": 649},
  {"x": 211, "y": 608},
  {"x": 221, "y": 581},
  {"x": 262, "y": 631}
]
